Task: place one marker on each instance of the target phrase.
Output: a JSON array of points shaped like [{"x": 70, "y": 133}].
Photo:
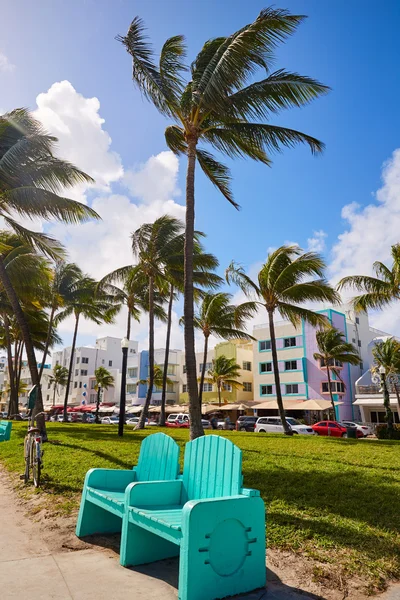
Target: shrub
[{"x": 383, "y": 434}]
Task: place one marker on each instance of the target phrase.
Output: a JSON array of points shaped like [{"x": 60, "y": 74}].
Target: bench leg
[
  {"x": 139, "y": 546},
  {"x": 223, "y": 550},
  {"x": 93, "y": 519}
]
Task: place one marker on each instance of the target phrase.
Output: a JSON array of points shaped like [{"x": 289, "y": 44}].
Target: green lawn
[{"x": 335, "y": 501}]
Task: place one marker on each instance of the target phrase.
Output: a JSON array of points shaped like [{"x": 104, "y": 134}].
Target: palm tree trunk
[
  {"x": 330, "y": 389},
  {"x": 196, "y": 428},
  {"x": 396, "y": 389},
  {"x": 386, "y": 404},
  {"x": 144, "y": 413},
  {"x": 96, "y": 416},
  {"x": 219, "y": 394},
  {"x": 276, "y": 374},
  {"x": 71, "y": 366},
  {"x": 54, "y": 394},
  {"x": 128, "y": 325},
  {"x": 203, "y": 370},
  {"x": 166, "y": 359},
  {"x": 46, "y": 347},
  {"x": 13, "y": 402},
  {"x": 30, "y": 351}
]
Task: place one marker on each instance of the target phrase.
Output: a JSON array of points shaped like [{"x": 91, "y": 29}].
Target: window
[
  {"x": 184, "y": 368},
  {"x": 264, "y": 345},
  {"x": 171, "y": 370},
  {"x": 208, "y": 366},
  {"x": 266, "y": 390},
  {"x": 337, "y": 387},
  {"x": 48, "y": 398},
  {"x": 92, "y": 384},
  {"x": 84, "y": 372},
  {"x": 75, "y": 384},
  {"x": 290, "y": 365},
  {"x": 184, "y": 388},
  {"x": 207, "y": 387},
  {"x": 359, "y": 343},
  {"x": 289, "y": 342},
  {"x": 246, "y": 365},
  {"x": 266, "y": 367},
  {"x": 65, "y": 362},
  {"x": 247, "y": 387},
  {"x": 77, "y": 360},
  {"x": 170, "y": 388},
  {"x": 92, "y": 398},
  {"x": 333, "y": 425},
  {"x": 353, "y": 340},
  {"x": 357, "y": 320},
  {"x": 292, "y": 388},
  {"x": 76, "y": 371},
  {"x": 110, "y": 363},
  {"x": 131, "y": 388},
  {"x": 57, "y": 362},
  {"x": 85, "y": 360},
  {"x": 132, "y": 373},
  {"x": 226, "y": 387},
  {"x": 332, "y": 362},
  {"x": 80, "y": 384},
  {"x": 132, "y": 351},
  {"x": 102, "y": 362},
  {"x": 361, "y": 366}
]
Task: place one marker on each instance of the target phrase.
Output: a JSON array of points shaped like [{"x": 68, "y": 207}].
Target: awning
[
  {"x": 134, "y": 410},
  {"x": 316, "y": 404},
  {"x": 373, "y": 402},
  {"x": 272, "y": 404}
]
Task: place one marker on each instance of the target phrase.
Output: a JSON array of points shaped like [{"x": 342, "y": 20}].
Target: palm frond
[
  {"x": 236, "y": 274},
  {"x": 318, "y": 290},
  {"x": 43, "y": 242},
  {"x": 172, "y": 66},
  {"x": 306, "y": 265},
  {"x": 175, "y": 139},
  {"x": 217, "y": 173},
  {"x": 295, "y": 314}
]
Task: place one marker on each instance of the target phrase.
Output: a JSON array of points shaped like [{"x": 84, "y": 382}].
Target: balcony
[{"x": 368, "y": 389}]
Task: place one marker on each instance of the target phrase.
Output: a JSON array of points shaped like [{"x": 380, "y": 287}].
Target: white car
[
  {"x": 274, "y": 425},
  {"x": 110, "y": 420},
  {"x": 135, "y": 420},
  {"x": 365, "y": 430},
  {"x": 177, "y": 417}
]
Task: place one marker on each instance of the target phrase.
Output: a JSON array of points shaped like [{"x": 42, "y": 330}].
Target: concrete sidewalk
[{"x": 28, "y": 569}]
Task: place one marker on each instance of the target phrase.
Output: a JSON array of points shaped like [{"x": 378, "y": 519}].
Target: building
[
  {"x": 26, "y": 380},
  {"x": 242, "y": 352},
  {"x": 106, "y": 353},
  {"x": 302, "y": 377},
  {"x": 173, "y": 373}
]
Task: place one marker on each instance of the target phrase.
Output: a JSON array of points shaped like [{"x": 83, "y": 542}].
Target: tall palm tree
[
  {"x": 64, "y": 278},
  {"x": 58, "y": 379},
  {"x": 387, "y": 354},
  {"x": 151, "y": 245},
  {"x": 85, "y": 302},
  {"x": 104, "y": 380},
  {"x": 379, "y": 291},
  {"x": 333, "y": 350},
  {"x": 223, "y": 373},
  {"x": 158, "y": 380},
  {"x": 220, "y": 105},
  {"x": 217, "y": 316},
  {"x": 203, "y": 277},
  {"x": 284, "y": 284},
  {"x": 31, "y": 181}
]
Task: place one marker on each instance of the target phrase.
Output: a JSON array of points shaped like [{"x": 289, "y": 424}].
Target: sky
[{"x": 61, "y": 60}]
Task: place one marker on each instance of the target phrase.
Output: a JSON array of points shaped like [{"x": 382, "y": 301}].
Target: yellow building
[{"x": 242, "y": 352}]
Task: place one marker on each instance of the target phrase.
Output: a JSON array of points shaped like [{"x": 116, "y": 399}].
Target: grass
[{"x": 334, "y": 501}]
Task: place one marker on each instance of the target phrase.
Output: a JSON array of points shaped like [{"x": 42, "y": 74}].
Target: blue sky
[{"x": 351, "y": 46}]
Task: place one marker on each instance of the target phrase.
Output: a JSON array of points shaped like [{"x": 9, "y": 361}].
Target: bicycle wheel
[
  {"x": 27, "y": 453},
  {"x": 36, "y": 464}
]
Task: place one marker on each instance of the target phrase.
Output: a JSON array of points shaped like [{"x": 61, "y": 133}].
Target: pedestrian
[{"x": 214, "y": 422}]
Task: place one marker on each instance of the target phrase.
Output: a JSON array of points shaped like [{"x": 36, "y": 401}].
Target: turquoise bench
[
  {"x": 103, "y": 498},
  {"x": 216, "y": 526},
  {"x": 5, "y": 430}
]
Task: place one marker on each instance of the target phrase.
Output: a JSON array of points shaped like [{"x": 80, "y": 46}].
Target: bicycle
[{"x": 33, "y": 453}]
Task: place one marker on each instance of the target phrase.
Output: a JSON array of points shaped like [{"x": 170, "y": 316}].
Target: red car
[
  {"x": 334, "y": 429},
  {"x": 178, "y": 423}
]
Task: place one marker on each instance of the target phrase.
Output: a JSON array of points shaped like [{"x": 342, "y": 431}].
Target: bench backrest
[
  {"x": 5, "y": 430},
  {"x": 158, "y": 458},
  {"x": 212, "y": 468}
]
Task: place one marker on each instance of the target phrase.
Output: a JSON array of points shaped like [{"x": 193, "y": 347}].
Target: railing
[{"x": 368, "y": 389}]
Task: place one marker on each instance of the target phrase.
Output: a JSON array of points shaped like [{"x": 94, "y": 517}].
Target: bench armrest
[
  {"x": 153, "y": 493},
  {"x": 109, "y": 478},
  {"x": 250, "y": 492}
]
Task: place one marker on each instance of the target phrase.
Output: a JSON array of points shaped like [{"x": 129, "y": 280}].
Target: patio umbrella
[
  {"x": 134, "y": 410},
  {"x": 272, "y": 404}
]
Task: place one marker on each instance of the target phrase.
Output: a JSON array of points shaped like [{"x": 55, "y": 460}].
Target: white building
[{"x": 174, "y": 360}]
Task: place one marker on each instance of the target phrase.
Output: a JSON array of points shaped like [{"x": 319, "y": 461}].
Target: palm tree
[
  {"x": 86, "y": 302},
  {"x": 31, "y": 180},
  {"x": 379, "y": 291},
  {"x": 333, "y": 351},
  {"x": 284, "y": 283},
  {"x": 21, "y": 390},
  {"x": 104, "y": 380},
  {"x": 223, "y": 373},
  {"x": 59, "y": 378},
  {"x": 219, "y": 106},
  {"x": 158, "y": 380},
  {"x": 203, "y": 276},
  {"x": 64, "y": 277},
  {"x": 217, "y": 316},
  {"x": 387, "y": 355},
  {"x": 151, "y": 245}
]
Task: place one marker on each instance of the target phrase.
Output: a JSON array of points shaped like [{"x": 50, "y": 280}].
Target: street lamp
[
  {"x": 385, "y": 380},
  {"x": 124, "y": 347}
]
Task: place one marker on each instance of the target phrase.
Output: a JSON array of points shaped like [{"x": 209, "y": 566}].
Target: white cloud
[
  {"x": 5, "y": 65},
  {"x": 156, "y": 179},
  {"x": 76, "y": 122},
  {"x": 317, "y": 242}
]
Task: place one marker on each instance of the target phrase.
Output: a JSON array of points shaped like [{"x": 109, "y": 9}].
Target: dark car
[{"x": 246, "y": 423}]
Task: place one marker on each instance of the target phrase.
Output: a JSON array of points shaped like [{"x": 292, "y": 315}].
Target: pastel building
[
  {"x": 174, "y": 360},
  {"x": 302, "y": 377}
]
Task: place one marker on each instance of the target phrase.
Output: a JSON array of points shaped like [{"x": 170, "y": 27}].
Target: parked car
[
  {"x": 246, "y": 423},
  {"x": 110, "y": 420},
  {"x": 177, "y": 417},
  {"x": 365, "y": 430},
  {"x": 222, "y": 424},
  {"x": 178, "y": 423},
  {"x": 274, "y": 425},
  {"x": 60, "y": 418},
  {"x": 135, "y": 420},
  {"x": 206, "y": 424},
  {"x": 334, "y": 429}
]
